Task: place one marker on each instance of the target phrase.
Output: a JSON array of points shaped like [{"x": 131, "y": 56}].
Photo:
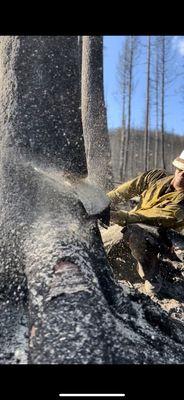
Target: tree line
[
  {"x": 173, "y": 144},
  {"x": 159, "y": 75}
]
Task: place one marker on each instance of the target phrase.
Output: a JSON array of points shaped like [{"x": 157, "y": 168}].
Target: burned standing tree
[
  {"x": 77, "y": 313},
  {"x": 94, "y": 116},
  {"x": 157, "y": 84},
  {"x": 123, "y": 80},
  {"x": 167, "y": 78},
  {"x": 146, "y": 134},
  {"x": 131, "y": 50},
  {"x": 163, "y": 66}
]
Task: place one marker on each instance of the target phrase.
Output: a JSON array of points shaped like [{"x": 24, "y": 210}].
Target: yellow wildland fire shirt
[{"x": 160, "y": 204}]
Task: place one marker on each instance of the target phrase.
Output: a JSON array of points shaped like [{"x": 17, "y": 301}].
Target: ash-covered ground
[{"x": 145, "y": 325}]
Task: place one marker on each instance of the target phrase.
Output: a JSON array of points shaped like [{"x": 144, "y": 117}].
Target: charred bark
[
  {"x": 40, "y": 100},
  {"x": 94, "y": 115}
]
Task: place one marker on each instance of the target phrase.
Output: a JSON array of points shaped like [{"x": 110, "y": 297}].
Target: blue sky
[{"x": 174, "y": 118}]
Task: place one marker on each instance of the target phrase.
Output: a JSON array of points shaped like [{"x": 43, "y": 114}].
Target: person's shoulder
[
  {"x": 154, "y": 175},
  {"x": 180, "y": 199}
]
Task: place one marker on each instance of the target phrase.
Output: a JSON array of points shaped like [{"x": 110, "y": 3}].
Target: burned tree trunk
[
  {"x": 157, "y": 82},
  {"x": 163, "y": 66},
  {"x": 146, "y": 133},
  {"x": 123, "y": 72},
  {"x": 94, "y": 116},
  {"x": 42, "y": 166}
]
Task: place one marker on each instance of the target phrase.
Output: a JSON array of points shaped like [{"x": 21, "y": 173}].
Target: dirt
[{"x": 171, "y": 296}]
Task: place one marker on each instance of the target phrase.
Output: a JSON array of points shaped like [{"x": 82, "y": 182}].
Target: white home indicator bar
[{"x": 92, "y": 394}]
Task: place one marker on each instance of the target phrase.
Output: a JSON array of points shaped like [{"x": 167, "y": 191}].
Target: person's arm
[
  {"x": 169, "y": 217},
  {"x": 135, "y": 186}
]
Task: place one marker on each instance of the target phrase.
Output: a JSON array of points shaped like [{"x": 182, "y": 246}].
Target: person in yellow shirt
[{"x": 161, "y": 206}]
